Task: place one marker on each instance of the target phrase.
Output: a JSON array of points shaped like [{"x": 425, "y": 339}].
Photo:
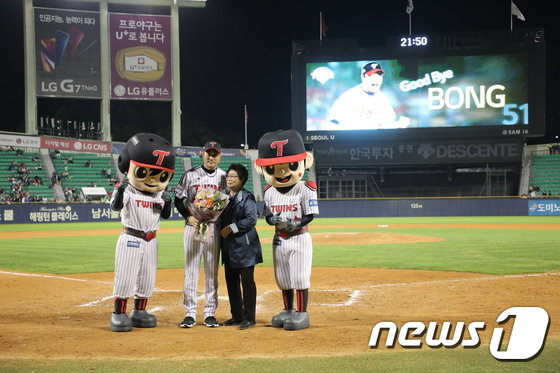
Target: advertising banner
[
  {"x": 21, "y": 141},
  {"x": 140, "y": 56},
  {"x": 75, "y": 145},
  {"x": 67, "y": 52},
  {"x": 27, "y": 213},
  {"x": 544, "y": 207},
  {"x": 418, "y": 152}
]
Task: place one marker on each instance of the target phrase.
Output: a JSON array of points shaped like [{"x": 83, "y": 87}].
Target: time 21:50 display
[{"x": 414, "y": 41}]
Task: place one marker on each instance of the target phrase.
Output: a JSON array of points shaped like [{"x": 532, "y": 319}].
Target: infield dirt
[{"x": 67, "y": 317}]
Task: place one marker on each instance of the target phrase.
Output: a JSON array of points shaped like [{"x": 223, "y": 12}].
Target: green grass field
[
  {"x": 492, "y": 251},
  {"x": 489, "y": 251}
]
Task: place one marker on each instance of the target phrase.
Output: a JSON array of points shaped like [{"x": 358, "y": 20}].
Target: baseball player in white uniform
[
  {"x": 290, "y": 205},
  {"x": 365, "y": 106},
  {"x": 148, "y": 161},
  {"x": 209, "y": 175}
]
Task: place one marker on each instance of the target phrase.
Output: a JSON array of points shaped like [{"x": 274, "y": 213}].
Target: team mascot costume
[
  {"x": 148, "y": 163},
  {"x": 290, "y": 205}
]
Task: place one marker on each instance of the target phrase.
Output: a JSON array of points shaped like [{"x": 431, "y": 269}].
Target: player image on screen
[
  {"x": 420, "y": 95},
  {"x": 365, "y": 106}
]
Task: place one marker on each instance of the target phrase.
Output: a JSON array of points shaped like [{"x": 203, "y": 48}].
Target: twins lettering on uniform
[
  {"x": 147, "y": 204},
  {"x": 284, "y": 208}
]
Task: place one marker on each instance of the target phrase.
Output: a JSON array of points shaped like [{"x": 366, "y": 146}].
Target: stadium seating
[
  {"x": 85, "y": 170},
  {"x": 545, "y": 173},
  {"x": 34, "y": 164}
]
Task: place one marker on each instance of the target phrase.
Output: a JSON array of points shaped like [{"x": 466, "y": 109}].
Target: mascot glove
[
  {"x": 292, "y": 225},
  {"x": 124, "y": 183},
  {"x": 165, "y": 197},
  {"x": 276, "y": 219}
]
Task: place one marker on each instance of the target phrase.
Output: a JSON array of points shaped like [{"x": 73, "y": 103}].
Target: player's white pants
[
  {"x": 210, "y": 253},
  {"x": 292, "y": 261},
  {"x": 135, "y": 267}
]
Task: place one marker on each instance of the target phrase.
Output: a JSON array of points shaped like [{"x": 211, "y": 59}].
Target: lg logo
[{"x": 526, "y": 341}]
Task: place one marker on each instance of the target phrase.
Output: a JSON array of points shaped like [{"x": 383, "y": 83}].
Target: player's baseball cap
[
  {"x": 284, "y": 146},
  {"x": 212, "y": 145},
  {"x": 371, "y": 68},
  {"x": 147, "y": 150}
]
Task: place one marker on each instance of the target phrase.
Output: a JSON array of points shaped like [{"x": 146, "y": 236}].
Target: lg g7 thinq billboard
[{"x": 377, "y": 94}]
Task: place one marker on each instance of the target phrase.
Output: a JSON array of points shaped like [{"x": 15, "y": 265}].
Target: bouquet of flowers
[{"x": 206, "y": 207}]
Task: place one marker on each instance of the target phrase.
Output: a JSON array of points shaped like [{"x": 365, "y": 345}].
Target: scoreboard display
[{"x": 417, "y": 91}]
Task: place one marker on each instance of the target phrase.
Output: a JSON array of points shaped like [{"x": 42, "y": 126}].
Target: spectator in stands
[
  {"x": 55, "y": 179},
  {"x": 13, "y": 166},
  {"x": 65, "y": 174},
  {"x": 37, "y": 180},
  {"x": 25, "y": 180},
  {"x": 35, "y": 158},
  {"x": 88, "y": 164},
  {"x": 534, "y": 191},
  {"x": 19, "y": 152},
  {"x": 23, "y": 168},
  {"x": 55, "y": 154},
  {"x": 25, "y": 197}
]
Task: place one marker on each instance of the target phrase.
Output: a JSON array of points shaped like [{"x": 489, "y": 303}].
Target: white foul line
[
  {"x": 52, "y": 276},
  {"x": 352, "y": 299}
]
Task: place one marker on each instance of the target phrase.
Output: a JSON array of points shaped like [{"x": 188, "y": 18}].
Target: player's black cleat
[
  {"x": 188, "y": 322},
  {"x": 211, "y": 322}
]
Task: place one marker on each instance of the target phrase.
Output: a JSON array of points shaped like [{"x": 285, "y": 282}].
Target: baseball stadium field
[{"x": 56, "y": 284}]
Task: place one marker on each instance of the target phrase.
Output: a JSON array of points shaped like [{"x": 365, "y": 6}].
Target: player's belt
[
  {"x": 146, "y": 236},
  {"x": 286, "y": 234}
]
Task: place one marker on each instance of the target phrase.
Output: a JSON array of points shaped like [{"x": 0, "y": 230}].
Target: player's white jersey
[
  {"x": 300, "y": 200},
  {"x": 138, "y": 210},
  {"x": 356, "y": 109},
  {"x": 196, "y": 178}
]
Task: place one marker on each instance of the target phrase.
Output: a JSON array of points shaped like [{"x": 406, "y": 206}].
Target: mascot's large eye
[
  {"x": 141, "y": 172},
  {"x": 293, "y": 166},
  {"x": 163, "y": 177},
  {"x": 269, "y": 170}
]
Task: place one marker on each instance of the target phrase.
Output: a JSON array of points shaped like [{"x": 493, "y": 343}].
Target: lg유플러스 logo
[{"x": 525, "y": 342}]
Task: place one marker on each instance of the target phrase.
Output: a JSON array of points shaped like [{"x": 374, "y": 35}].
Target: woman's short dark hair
[{"x": 242, "y": 172}]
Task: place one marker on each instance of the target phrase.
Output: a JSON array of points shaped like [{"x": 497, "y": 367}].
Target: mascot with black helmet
[
  {"x": 148, "y": 163},
  {"x": 290, "y": 205}
]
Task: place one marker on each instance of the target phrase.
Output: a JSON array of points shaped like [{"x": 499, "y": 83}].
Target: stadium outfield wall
[{"x": 24, "y": 213}]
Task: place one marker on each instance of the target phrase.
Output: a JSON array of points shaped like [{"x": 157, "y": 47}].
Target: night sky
[{"x": 236, "y": 53}]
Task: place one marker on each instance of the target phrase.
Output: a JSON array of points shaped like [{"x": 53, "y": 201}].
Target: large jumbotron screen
[{"x": 422, "y": 93}]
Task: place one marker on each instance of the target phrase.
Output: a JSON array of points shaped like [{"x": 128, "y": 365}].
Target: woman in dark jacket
[{"x": 241, "y": 248}]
